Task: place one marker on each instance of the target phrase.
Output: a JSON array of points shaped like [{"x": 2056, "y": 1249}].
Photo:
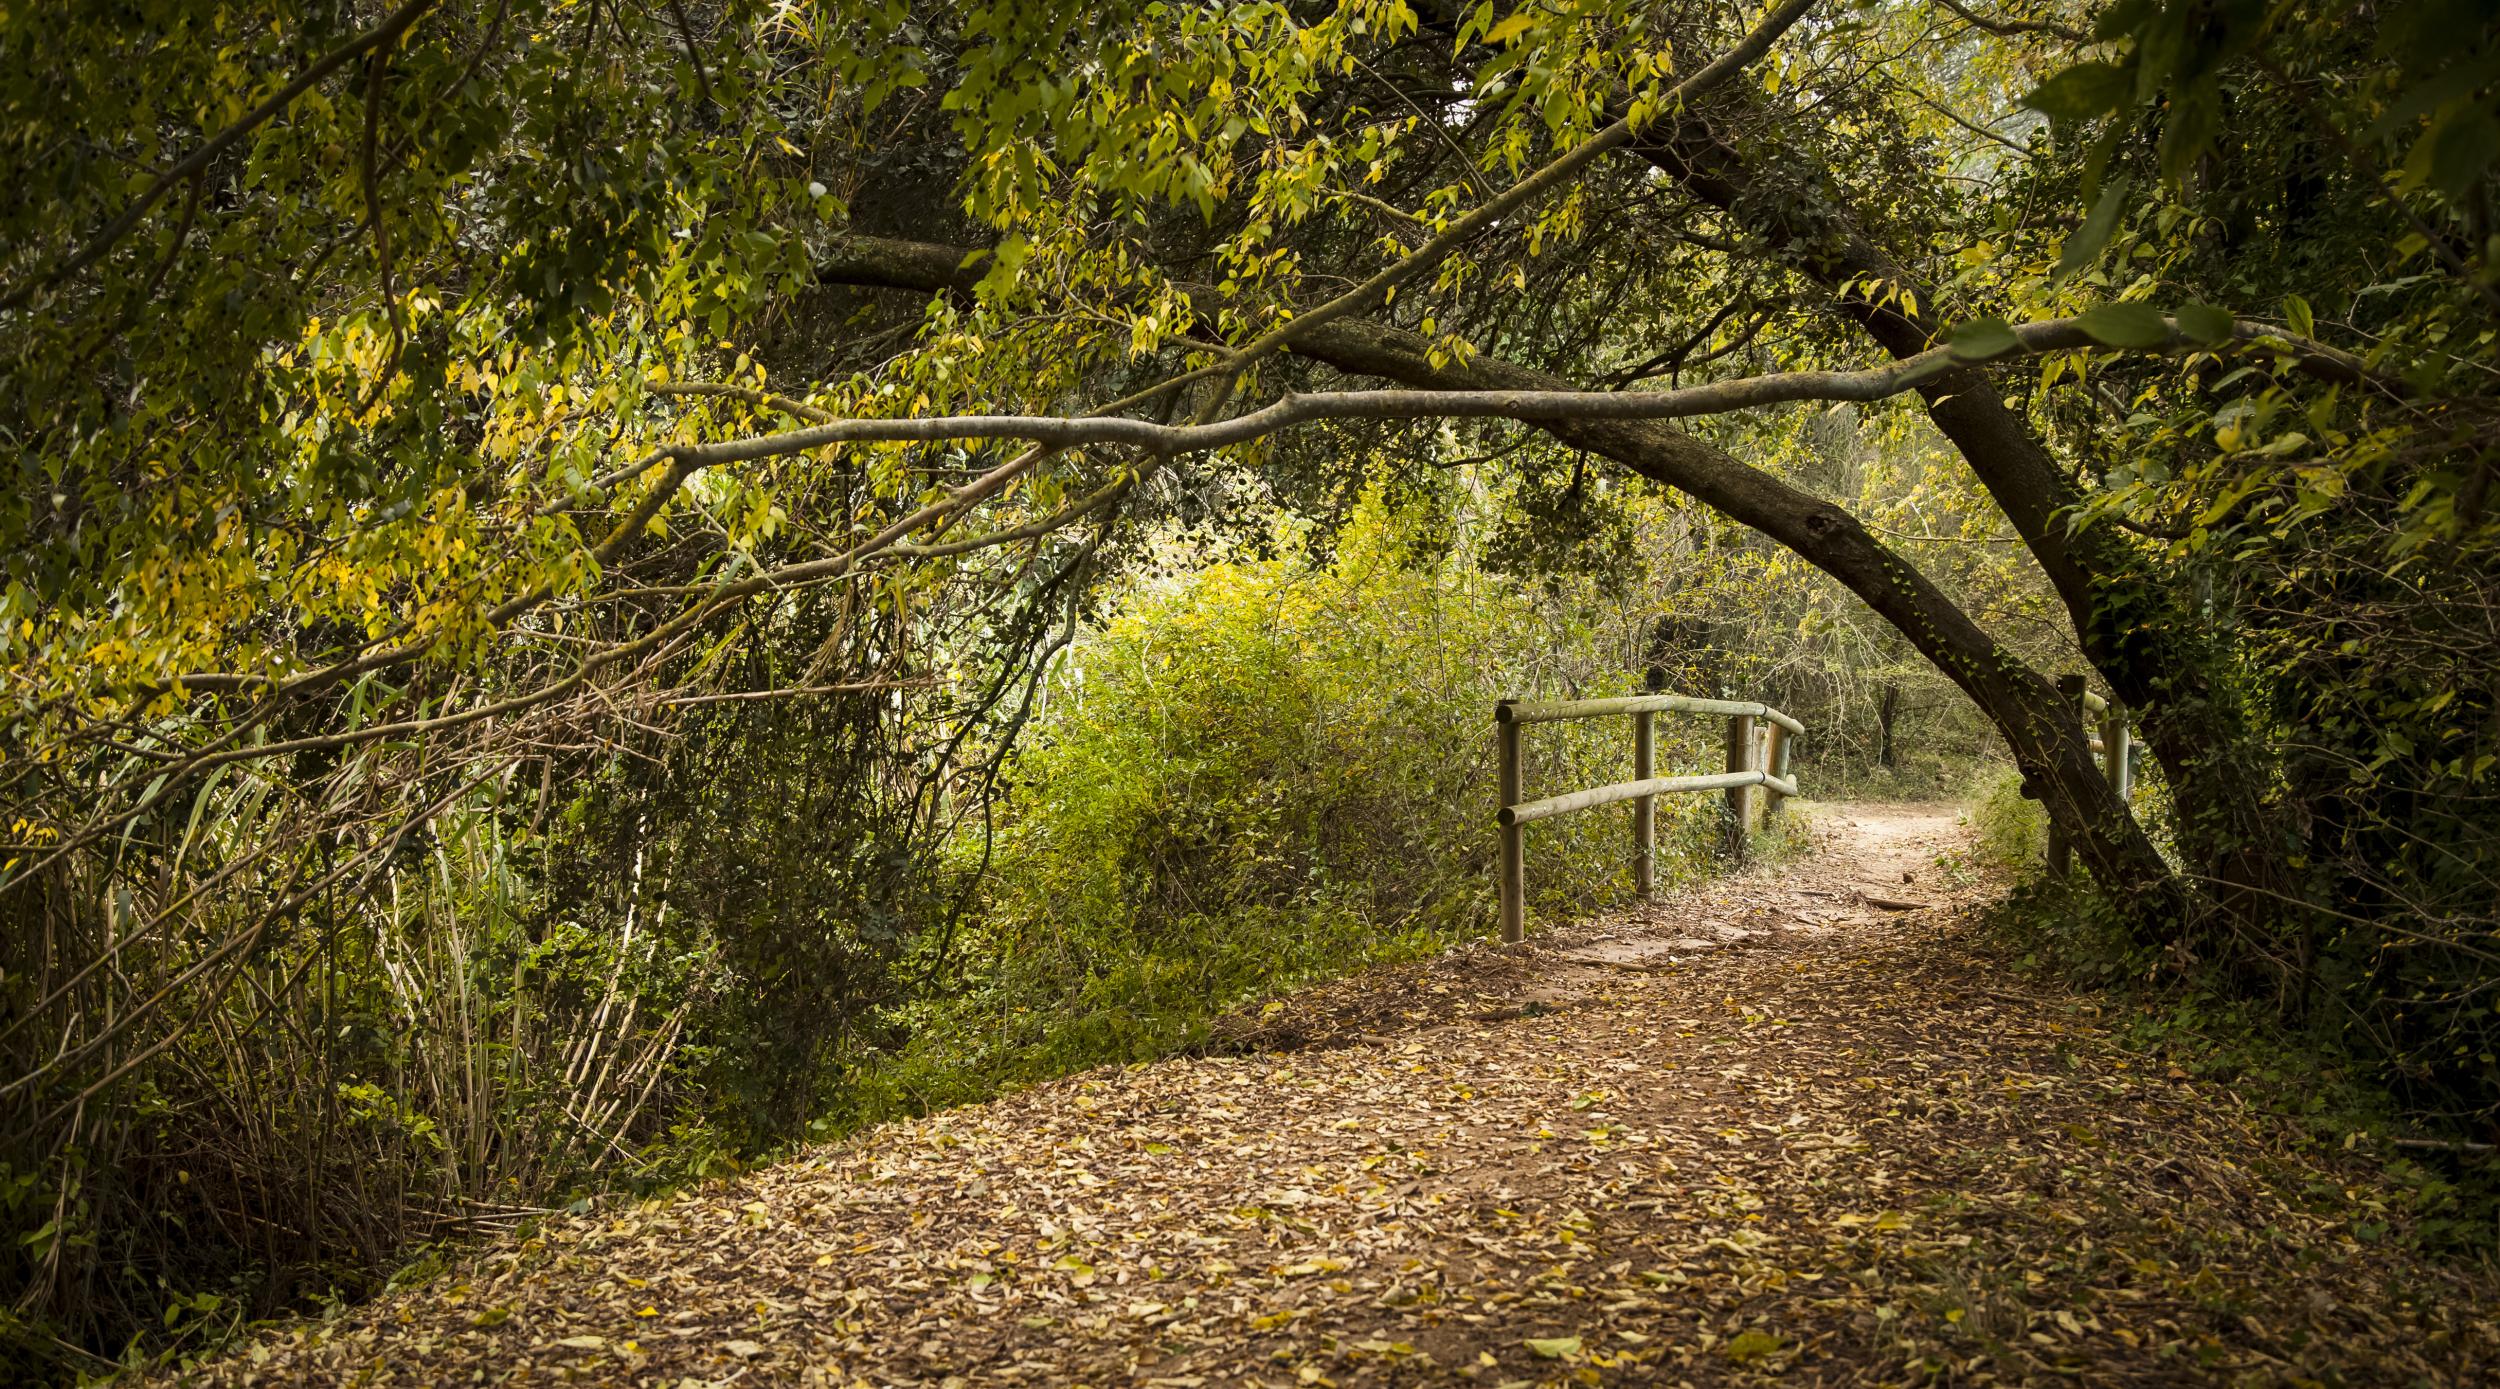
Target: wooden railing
[{"x": 1758, "y": 738}]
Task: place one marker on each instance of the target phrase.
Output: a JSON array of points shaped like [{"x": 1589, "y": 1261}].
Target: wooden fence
[
  {"x": 1758, "y": 748},
  {"x": 2108, "y": 725}
]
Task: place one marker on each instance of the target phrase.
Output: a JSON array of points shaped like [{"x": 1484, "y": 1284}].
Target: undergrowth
[
  {"x": 2438, "y": 1190},
  {"x": 2010, "y": 831},
  {"x": 1261, "y": 773}
]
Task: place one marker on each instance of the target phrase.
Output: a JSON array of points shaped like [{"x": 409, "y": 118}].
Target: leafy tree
[{"x": 452, "y": 438}]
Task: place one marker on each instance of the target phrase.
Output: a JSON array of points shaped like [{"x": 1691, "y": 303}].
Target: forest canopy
[{"x": 653, "y": 518}]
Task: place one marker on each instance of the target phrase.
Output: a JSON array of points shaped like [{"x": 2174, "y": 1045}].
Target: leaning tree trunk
[
  {"x": 2160, "y": 658},
  {"x": 2039, "y": 724}
]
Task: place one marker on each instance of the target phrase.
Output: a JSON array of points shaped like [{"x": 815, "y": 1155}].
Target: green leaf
[
  {"x": 2125, "y": 325},
  {"x": 1982, "y": 339},
  {"x": 1555, "y": 1348},
  {"x": 2085, "y": 245},
  {"x": 2081, "y": 92},
  {"x": 1507, "y": 30},
  {"x": 2162, "y": 49},
  {"x": 2296, "y": 313},
  {"x": 2195, "y": 118},
  {"x": 2122, "y": 18},
  {"x": 2205, "y": 323},
  {"x": 2096, "y": 159},
  {"x": 2458, "y": 83},
  {"x": 2460, "y": 150},
  {"x": 1927, "y": 369}
]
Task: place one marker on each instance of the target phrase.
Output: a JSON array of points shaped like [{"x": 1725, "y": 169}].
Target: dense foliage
[
  {"x": 2335, "y": 540},
  {"x": 1260, "y": 771},
  {"x": 467, "y": 743}
]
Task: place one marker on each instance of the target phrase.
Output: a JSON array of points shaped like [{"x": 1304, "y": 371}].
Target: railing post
[
  {"x": 1513, "y": 888},
  {"x": 2061, "y": 853},
  {"x": 1739, "y": 798},
  {"x": 1644, "y": 808},
  {"x": 1777, "y": 765},
  {"x": 2114, "y": 751},
  {"x": 1759, "y": 806}
]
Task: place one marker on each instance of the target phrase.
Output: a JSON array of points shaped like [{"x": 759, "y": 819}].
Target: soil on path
[{"x": 1789, "y": 1125}]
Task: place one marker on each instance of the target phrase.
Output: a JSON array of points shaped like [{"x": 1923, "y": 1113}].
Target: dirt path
[{"x": 1765, "y": 1129}]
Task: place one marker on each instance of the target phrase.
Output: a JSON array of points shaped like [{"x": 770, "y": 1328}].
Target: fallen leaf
[{"x": 1754, "y": 1345}]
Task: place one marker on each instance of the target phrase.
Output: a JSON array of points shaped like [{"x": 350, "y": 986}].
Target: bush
[
  {"x": 2012, "y": 830},
  {"x": 1262, "y": 772}
]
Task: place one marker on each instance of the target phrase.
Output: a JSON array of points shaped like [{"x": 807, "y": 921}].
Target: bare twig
[{"x": 2006, "y": 28}]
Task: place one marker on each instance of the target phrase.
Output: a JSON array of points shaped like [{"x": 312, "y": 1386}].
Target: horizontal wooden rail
[
  {"x": 1534, "y": 711},
  {"x": 1552, "y": 806},
  {"x": 1758, "y": 750}
]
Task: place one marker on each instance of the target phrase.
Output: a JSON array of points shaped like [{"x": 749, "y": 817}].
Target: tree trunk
[
  {"x": 1887, "y": 709},
  {"x": 2160, "y": 658}
]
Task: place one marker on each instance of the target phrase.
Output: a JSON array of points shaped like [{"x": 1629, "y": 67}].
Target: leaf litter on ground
[{"x": 1740, "y": 1135}]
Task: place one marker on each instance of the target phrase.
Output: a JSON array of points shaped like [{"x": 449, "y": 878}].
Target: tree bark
[{"x": 2048, "y": 743}]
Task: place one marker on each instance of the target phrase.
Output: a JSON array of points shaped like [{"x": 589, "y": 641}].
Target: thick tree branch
[
  {"x": 1715, "y": 398},
  {"x": 2006, "y": 28}
]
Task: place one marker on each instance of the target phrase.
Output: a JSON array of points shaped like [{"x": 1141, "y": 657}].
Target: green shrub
[
  {"x": 2012, "y": 831},
  {"x": 1256, "y": 773}
]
